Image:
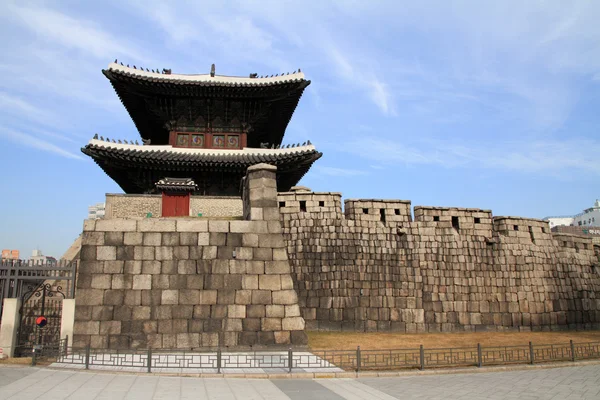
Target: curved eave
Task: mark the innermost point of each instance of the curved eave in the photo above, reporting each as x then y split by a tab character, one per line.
118	161
132	89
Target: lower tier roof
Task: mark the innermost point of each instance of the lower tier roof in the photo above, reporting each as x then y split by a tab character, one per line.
137	168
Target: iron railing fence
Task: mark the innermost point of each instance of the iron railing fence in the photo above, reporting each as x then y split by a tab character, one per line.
324	360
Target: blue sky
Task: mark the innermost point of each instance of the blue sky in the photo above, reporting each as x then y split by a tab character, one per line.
488	104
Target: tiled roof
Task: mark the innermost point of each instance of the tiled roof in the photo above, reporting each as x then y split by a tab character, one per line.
137	168
204	79
177	184
160	154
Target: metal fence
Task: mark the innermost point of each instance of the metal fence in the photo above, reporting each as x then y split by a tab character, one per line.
327	360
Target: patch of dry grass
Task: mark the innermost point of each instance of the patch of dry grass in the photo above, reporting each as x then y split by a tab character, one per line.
378	340
16	361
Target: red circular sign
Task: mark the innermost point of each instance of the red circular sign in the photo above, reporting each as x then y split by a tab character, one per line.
41	321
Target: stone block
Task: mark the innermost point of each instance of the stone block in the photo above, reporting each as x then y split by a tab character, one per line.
90	297
217	239
121	281
282	337
277	267
110	327
133	238
89	225
125	253
192	225
113	238
243	297
262	297
143	253
122	313
104	253
226	296
262	254
210	340
114	297
169	239
102	313
232	325
170	297
101	281
188	340
292	324
236	311
275	311
250	282
273	241
186	267
132	267
195	282
280	254
116	225
209	252
189	296
207	297
249	239
203	239
86	328
188	239
163	253
92	238
269	282
215	226
286	282
156	225
150	267
285	297
141	282
270	324
181	253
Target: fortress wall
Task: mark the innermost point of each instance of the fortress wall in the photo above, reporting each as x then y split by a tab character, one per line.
389	211
362	274
139	205
184	283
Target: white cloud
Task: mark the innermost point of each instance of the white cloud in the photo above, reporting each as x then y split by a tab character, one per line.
550	157
73	33
37	143
338	172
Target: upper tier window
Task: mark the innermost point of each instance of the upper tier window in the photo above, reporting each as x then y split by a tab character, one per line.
207	140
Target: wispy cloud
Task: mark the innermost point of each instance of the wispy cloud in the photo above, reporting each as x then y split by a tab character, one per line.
37	143
549	157
338	172
73	33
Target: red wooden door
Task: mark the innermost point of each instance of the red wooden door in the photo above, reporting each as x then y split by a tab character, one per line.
175	205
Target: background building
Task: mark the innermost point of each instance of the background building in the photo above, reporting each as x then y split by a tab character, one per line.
589	217
10	254
38	258
97	211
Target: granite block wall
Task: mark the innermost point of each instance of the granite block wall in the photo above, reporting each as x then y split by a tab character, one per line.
372	268
139	205
185	283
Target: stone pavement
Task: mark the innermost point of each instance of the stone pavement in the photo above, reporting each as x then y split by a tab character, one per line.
576	382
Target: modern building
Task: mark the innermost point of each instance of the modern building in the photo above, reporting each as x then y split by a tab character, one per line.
589	217
205	130
10	254
97	211
38	258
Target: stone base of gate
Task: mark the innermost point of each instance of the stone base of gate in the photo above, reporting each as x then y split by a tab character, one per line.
10	324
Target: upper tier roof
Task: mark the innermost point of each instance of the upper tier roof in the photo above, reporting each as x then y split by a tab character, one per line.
207	79
151	99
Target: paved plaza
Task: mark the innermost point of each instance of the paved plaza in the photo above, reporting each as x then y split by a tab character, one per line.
576	382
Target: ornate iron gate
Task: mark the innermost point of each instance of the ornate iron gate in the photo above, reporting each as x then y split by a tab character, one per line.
41	312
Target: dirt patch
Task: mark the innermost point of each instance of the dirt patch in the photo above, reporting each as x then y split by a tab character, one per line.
378	340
